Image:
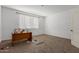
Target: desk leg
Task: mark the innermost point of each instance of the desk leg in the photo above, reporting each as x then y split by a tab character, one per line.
30	39
12	44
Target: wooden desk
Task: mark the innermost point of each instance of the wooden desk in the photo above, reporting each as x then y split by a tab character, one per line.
21	37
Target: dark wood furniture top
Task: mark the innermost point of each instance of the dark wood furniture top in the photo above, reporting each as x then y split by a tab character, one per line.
17	37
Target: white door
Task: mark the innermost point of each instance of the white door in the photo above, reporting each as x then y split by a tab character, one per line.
0	23
75	28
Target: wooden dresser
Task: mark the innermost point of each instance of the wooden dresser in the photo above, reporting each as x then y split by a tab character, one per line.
17	37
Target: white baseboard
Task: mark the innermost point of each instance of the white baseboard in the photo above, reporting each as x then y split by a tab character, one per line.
76	44
59	36
0	41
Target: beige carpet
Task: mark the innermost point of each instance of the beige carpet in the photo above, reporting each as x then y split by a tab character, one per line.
42	44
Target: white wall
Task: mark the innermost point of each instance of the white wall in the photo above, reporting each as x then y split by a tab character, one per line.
59	24
0	24
10	21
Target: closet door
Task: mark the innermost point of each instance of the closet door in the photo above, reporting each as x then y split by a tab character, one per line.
0	24
75	30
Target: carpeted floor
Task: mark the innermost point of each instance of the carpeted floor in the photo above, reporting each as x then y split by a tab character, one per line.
42	44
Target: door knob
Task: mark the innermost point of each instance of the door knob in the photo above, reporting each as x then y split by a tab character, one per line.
71	30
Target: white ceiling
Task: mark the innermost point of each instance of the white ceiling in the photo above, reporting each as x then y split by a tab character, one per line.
43	8
52	8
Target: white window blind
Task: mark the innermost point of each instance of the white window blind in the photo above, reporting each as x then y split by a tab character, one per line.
36	22
26	21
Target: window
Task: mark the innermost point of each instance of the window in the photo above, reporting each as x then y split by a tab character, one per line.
26	21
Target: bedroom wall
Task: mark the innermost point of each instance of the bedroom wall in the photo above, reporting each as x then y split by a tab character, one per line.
59	24
10	21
